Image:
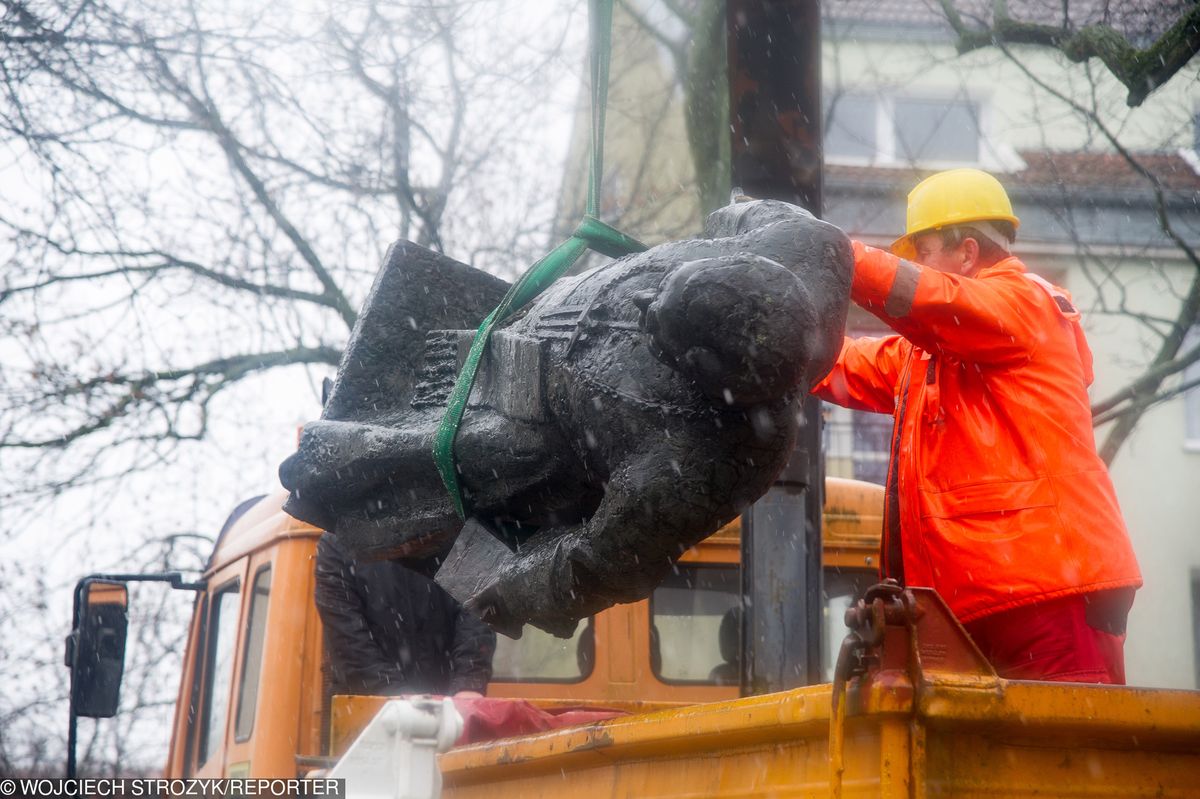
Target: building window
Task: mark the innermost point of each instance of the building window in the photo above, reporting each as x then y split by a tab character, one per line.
1196	624
889	130
857	444
1191	397
850	129
928	130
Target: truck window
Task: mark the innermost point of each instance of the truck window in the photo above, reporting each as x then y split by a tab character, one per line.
195	691
842	588
256	629
540	657
686	614
218	672
690	607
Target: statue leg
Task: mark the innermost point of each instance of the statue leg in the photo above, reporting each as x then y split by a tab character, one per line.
649	516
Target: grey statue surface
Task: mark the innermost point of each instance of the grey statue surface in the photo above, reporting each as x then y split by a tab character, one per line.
623	416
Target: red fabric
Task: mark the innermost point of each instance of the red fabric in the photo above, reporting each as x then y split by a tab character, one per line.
485	718
1050	641
1002	499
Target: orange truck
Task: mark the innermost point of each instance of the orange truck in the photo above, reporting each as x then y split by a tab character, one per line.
912	709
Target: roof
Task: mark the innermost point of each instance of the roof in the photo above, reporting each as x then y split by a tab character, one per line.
1045	169
255	524
1060	197
1107	170
1141	20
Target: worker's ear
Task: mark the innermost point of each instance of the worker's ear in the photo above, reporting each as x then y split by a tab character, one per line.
968	253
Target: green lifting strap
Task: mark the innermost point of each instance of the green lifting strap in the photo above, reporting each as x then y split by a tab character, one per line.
590	234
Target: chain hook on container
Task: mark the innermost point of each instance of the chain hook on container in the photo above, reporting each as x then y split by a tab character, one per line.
866	619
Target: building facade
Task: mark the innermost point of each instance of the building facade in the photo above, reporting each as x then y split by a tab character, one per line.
1096	184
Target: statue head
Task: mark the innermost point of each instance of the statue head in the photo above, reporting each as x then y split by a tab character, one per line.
736	325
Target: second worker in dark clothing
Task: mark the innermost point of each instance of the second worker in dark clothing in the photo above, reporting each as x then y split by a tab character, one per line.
390	630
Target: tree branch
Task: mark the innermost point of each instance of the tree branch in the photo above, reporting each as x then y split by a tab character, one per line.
677	49
1146	402
1141	71
1151	379
391	99
167	262
228	369
207	115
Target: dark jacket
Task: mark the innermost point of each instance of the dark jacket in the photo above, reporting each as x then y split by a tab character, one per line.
390	630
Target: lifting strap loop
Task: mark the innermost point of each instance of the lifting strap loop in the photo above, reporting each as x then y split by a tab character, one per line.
605	239
590	234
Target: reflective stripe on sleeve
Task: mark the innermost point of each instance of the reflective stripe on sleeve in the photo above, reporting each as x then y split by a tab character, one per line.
904	290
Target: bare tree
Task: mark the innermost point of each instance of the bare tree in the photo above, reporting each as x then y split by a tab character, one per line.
196	196
1143	47
184	170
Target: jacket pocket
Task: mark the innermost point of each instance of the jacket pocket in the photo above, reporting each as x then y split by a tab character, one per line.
997	497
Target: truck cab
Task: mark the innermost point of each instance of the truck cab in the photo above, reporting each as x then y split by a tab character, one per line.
252	700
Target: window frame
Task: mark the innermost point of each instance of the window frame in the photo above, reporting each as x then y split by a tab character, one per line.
588	622
252	609
1190	399
992	154
204	719
195	690
1195	581
735	568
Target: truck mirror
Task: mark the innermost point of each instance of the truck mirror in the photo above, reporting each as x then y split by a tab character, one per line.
96	648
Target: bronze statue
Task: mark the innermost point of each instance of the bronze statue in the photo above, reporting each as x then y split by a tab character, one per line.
626	414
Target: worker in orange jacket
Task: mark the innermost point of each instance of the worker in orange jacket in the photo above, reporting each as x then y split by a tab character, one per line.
996	496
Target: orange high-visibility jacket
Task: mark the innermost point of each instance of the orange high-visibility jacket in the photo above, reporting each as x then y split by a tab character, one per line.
996	495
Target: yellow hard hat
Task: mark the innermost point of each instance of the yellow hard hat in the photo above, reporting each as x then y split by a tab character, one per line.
953	197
